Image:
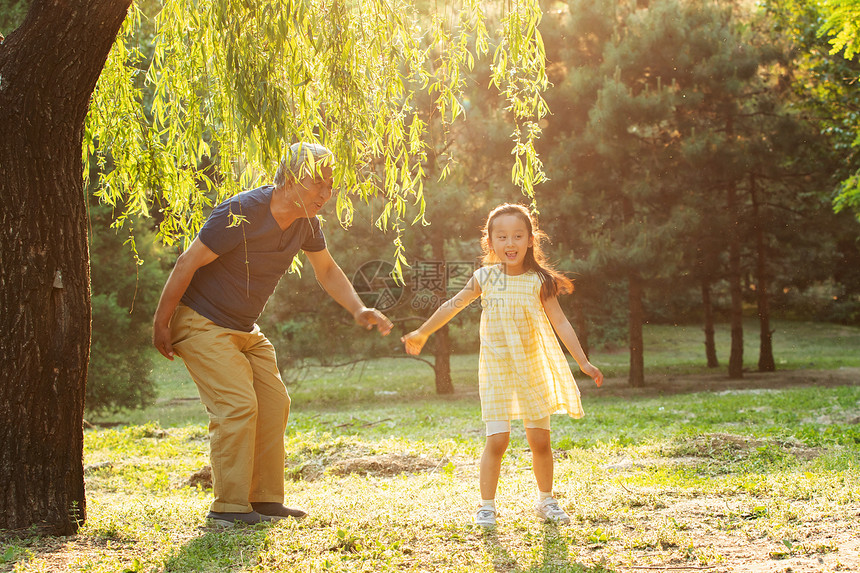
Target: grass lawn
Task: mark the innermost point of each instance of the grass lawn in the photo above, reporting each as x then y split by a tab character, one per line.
694	472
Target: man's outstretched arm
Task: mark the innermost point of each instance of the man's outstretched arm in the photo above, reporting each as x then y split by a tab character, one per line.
337	285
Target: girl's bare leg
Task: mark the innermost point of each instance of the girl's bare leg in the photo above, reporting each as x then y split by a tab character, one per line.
491	463
539	442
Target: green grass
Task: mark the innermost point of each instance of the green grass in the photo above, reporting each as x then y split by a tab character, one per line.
796	345
388	471
669	350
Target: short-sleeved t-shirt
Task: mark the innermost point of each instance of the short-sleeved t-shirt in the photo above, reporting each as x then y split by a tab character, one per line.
253	255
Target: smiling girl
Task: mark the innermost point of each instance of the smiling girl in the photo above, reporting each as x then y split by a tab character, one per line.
523	373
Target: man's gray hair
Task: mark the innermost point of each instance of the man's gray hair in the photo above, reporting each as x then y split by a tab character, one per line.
300	153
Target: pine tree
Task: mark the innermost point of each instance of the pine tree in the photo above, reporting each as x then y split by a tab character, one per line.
618	150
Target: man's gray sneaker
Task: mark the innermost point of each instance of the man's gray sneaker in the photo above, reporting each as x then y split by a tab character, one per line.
274	509
229	519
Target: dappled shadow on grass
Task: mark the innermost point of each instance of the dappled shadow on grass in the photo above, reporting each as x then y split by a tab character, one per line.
554	558
17	547
233	549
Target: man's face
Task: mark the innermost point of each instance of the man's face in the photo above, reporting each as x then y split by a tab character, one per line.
313	191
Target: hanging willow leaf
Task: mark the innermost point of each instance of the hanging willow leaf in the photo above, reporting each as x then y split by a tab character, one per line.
237	81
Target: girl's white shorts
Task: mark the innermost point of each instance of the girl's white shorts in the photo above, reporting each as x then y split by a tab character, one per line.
504	426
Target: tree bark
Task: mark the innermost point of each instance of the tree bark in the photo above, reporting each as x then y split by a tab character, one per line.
636	320
710	342
442	361
442	348
736	356
48	71
766	362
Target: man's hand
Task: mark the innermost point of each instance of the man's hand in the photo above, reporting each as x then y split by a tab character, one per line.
161	340
370	317
197	255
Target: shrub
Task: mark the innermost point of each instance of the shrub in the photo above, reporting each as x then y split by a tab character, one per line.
118	375
124	295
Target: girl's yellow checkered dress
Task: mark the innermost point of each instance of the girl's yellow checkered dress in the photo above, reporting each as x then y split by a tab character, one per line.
523	373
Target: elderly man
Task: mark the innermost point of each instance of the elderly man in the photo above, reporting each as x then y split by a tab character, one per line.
207	315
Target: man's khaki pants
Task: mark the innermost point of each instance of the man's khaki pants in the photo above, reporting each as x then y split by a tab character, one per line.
239	383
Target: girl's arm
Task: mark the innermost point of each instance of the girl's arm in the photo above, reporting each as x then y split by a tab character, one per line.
415	340
571	341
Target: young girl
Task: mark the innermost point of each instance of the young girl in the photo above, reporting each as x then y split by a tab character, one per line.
523	373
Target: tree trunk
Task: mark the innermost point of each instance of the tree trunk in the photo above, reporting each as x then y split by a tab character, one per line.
442	347
710	342
736	357
636	319
766	362
48	69
442	361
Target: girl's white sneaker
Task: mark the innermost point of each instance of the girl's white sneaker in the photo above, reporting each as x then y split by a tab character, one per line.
485	517
549	510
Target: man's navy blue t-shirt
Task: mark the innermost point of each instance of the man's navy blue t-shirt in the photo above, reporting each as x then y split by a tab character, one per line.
253	255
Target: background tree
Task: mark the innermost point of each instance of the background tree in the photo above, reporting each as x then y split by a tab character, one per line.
446	249
825	40
12	13
673	148
842	25
824	88
624	90
734	134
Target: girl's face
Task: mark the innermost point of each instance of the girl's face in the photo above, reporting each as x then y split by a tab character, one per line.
510	240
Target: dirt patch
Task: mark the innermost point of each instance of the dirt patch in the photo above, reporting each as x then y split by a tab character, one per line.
722	446
202	478
342	457
386	465
71	553
383	465
718	443
638	463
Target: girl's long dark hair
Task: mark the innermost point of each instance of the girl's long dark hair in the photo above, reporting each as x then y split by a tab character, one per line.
553	282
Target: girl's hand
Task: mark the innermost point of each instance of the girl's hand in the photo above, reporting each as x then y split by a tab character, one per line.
593	371
414	342
370	317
